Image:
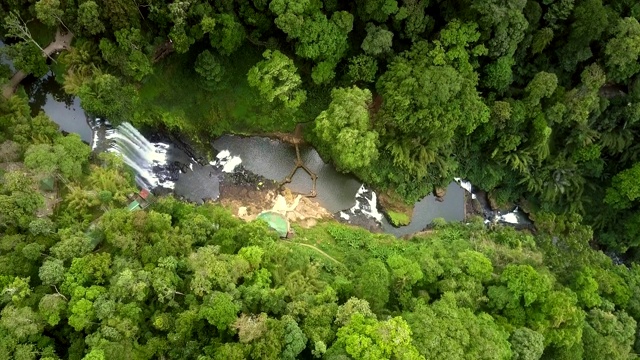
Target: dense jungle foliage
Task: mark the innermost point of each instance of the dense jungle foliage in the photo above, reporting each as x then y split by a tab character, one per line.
536	100
88	279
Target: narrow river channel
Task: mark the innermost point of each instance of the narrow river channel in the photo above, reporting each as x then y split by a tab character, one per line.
164	165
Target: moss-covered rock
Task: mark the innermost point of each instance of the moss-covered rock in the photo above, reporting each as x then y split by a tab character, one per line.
397	218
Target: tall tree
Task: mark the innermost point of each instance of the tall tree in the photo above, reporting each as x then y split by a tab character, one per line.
276	78
128	53
378	40
430	96
89	18
345	129
319	38
50	13
622	52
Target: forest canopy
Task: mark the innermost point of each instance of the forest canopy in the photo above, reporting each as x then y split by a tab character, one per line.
83	277
536	102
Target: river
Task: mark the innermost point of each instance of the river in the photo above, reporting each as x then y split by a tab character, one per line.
162	164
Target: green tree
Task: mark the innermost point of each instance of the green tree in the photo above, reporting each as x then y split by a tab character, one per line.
592	19
225	32
526	344
18	200
52	272
219	310
52	308
127	54
429	96
107	96
608	336
499	75
319	38
16	27
66	157
378	40
345	129
28	58
404	275
372	284
89	18
444	330
209	67
412	19
622	52
351	307
49	12
362	68
276	78
20	323
377	10
294	339
507	23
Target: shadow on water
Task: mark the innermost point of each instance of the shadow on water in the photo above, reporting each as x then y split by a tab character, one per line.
46	94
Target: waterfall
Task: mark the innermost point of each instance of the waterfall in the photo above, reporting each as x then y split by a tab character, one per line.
143	156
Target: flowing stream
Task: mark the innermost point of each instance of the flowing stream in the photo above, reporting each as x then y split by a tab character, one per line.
163	165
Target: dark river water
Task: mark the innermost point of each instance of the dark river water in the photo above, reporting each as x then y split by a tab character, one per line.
275	160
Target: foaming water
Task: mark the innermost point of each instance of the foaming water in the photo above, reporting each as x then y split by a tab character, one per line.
143	156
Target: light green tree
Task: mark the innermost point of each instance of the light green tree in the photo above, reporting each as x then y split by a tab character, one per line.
368	338
624	189
345	129
444	330
276	78
49	12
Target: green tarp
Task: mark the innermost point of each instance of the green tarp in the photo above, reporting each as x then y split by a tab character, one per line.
48	184
133	205
276	221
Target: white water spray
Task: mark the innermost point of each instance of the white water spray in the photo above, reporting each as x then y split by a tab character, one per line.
367	206
465	184
140	154
227	161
